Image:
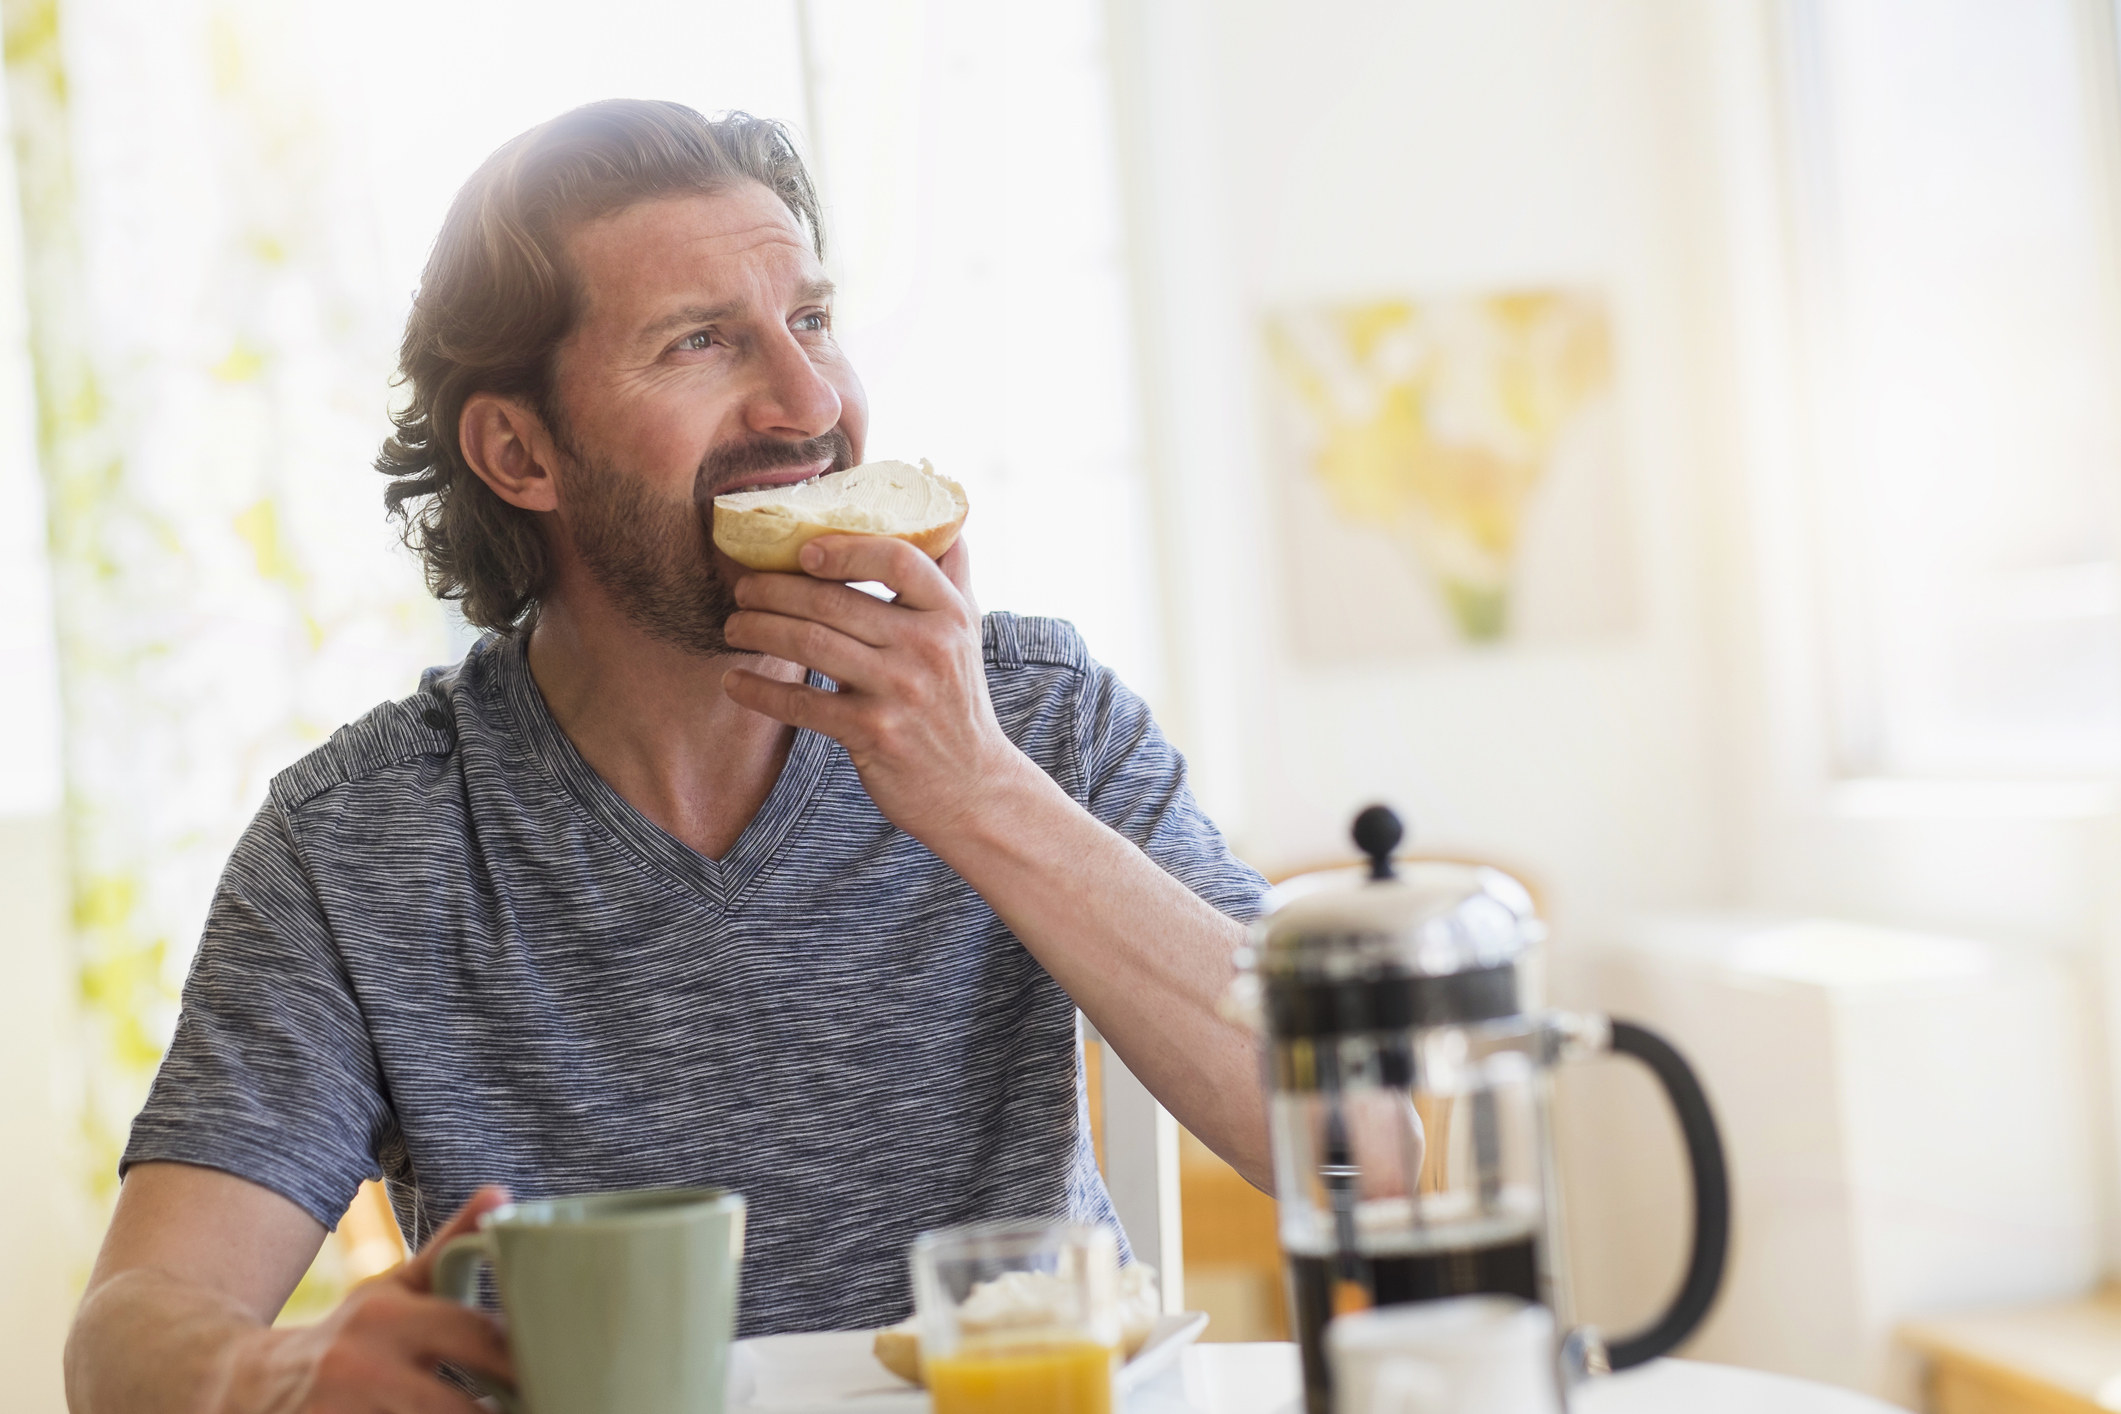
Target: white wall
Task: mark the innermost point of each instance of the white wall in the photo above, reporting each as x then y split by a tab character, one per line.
1359	148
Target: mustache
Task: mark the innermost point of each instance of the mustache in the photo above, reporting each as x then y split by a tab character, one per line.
736	462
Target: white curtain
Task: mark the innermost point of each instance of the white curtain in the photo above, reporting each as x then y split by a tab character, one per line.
209	353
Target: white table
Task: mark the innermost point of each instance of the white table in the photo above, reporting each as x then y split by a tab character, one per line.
1265	1379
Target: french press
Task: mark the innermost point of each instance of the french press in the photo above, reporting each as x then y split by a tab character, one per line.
1410	1067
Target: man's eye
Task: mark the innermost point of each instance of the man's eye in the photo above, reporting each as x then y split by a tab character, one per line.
695	342
815	322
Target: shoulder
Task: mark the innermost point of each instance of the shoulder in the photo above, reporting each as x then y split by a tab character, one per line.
1037	645
1039	673
1060	705
407	735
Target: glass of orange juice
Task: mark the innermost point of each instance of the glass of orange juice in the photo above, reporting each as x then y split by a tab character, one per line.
1018	1320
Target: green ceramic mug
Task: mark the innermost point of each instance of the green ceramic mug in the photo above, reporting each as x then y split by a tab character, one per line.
617	1303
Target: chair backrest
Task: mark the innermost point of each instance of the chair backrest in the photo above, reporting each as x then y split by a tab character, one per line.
368	1237
1137	1150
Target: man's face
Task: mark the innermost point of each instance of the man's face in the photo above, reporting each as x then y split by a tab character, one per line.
702	362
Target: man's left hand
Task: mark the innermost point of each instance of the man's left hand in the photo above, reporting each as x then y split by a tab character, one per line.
912	709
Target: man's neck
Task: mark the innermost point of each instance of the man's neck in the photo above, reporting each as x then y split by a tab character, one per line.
651	719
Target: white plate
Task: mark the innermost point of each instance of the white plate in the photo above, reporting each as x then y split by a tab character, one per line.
834	1372
1167	1337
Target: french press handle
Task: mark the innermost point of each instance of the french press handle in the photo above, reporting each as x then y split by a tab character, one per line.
1712	1198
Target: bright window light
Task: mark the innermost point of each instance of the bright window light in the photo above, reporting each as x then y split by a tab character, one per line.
1958	263
971	184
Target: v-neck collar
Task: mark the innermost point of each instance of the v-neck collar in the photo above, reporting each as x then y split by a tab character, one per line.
722	882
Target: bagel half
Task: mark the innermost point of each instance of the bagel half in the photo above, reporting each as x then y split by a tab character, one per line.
766	530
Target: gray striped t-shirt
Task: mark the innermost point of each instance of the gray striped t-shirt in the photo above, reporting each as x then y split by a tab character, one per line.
448	952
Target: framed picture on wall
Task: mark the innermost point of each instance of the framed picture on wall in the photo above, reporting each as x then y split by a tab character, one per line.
1446	474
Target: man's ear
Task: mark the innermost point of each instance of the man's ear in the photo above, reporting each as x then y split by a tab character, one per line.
507	445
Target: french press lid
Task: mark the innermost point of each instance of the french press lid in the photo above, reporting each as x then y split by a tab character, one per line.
1392	945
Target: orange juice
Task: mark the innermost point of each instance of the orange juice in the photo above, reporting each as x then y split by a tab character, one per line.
1063	1377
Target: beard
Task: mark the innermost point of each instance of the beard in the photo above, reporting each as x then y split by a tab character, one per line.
655	556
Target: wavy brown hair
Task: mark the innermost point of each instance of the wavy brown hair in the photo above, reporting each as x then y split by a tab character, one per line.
498	298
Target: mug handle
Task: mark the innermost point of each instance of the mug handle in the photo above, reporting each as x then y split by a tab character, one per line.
1712	1197
457	1279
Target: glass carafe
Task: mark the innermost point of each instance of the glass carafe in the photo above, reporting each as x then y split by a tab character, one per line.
1410	1067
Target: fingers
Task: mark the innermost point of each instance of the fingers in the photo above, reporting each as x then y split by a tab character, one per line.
804	641
388	1337
917	581
860	616
437	1331
810	708
419	1272
402	1391
377	1381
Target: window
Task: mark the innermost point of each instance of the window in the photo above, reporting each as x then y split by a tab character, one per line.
968	166
1952	172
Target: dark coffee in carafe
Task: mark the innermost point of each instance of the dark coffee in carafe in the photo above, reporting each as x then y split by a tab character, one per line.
1387	1277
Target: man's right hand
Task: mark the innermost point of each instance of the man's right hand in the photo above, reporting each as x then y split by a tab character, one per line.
178	1314
377	1353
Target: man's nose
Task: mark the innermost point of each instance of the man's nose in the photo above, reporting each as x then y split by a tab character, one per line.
792	399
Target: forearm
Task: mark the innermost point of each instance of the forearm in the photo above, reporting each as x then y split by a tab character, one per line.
1146	959
146	1342
195	1265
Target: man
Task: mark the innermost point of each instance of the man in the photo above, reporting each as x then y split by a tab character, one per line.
684	875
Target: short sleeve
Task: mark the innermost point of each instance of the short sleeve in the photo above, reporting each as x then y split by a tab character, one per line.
1134	780
272	1076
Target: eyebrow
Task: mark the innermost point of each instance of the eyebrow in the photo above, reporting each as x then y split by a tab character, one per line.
815	292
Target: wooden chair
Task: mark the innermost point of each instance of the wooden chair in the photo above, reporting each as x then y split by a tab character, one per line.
1137	1145
367	1236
